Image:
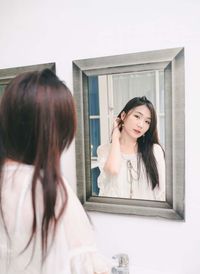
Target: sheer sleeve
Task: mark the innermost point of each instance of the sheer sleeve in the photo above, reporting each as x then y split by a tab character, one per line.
83	254
160	159
103	180
102	155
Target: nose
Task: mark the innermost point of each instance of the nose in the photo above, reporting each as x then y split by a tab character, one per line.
140	123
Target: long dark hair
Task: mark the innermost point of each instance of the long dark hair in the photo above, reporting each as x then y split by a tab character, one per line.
37	122
145	143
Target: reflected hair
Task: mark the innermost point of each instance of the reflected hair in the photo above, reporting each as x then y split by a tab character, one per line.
145	143
37	122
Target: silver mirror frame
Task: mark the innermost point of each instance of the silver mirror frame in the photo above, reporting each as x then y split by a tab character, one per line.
7	74
172	62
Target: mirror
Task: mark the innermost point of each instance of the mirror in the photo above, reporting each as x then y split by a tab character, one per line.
107	96
102	87
7	74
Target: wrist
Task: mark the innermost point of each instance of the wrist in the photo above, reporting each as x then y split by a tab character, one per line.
115	138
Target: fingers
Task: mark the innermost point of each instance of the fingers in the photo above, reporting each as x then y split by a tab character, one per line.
116	122
116	128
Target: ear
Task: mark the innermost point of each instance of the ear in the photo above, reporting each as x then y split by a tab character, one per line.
123	115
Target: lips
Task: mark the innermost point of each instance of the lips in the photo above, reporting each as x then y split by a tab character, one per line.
137	131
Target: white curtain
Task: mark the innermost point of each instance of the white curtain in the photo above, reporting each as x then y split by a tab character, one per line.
128	86
147	83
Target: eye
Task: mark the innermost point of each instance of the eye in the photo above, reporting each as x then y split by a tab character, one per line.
136	116
148	122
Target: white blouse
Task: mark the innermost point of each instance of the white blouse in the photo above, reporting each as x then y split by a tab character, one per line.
73	250
129	183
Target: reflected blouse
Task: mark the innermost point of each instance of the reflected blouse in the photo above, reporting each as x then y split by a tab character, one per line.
73	250
131	182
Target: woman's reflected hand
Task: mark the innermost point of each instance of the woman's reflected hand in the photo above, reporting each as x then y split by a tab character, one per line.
116	128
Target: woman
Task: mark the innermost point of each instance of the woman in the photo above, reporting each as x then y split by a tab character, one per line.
133	165
43	227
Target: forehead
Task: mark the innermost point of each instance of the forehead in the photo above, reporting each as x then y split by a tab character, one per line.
144	110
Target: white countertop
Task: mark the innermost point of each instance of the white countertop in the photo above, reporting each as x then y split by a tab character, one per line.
142	270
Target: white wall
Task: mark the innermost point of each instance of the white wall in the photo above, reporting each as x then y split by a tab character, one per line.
33	31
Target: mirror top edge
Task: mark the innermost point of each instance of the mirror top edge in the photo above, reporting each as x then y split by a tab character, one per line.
128	59
10	72
127	68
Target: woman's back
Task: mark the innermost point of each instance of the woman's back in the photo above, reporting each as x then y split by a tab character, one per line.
18	214
73	249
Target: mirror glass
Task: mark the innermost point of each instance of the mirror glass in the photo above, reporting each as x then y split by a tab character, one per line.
108	94
102	87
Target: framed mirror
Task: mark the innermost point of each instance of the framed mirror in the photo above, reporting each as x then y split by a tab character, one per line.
102	87
7	74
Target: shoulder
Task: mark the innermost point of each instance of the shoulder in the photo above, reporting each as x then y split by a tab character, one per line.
73	203
68	186
103	149
158	151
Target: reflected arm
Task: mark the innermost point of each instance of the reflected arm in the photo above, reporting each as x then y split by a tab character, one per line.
112	164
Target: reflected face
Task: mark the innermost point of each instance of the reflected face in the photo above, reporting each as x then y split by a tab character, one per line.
137	121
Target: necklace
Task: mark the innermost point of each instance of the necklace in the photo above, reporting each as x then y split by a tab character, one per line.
131	171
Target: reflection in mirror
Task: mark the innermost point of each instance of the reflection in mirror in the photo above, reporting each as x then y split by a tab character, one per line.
108	94
102	87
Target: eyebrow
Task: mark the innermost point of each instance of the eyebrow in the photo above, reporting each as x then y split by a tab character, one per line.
143	114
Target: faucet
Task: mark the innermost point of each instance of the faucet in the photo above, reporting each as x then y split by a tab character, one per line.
122	264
